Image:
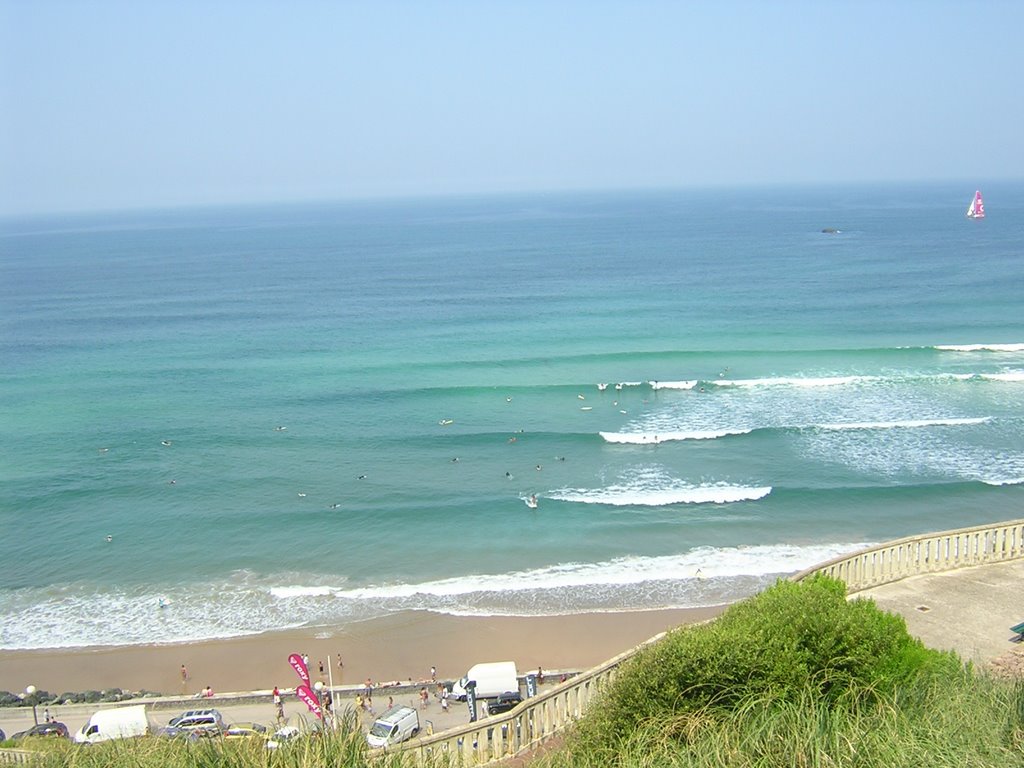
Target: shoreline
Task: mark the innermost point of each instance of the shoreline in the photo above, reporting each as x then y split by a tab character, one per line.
399	647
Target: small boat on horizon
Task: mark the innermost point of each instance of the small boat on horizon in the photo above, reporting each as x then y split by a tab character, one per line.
976	210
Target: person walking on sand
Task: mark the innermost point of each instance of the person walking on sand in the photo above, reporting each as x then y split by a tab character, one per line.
424	697
433	674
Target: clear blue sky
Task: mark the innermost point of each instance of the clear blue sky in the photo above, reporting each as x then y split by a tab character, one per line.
107	104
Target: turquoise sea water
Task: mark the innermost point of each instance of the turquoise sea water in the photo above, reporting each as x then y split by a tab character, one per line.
263	407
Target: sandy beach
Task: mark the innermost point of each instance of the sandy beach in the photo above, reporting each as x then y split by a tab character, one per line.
399	647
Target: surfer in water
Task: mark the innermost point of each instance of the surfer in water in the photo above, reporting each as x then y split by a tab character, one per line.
532	501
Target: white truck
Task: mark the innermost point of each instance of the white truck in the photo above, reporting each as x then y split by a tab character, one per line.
493	678
119	723
393	727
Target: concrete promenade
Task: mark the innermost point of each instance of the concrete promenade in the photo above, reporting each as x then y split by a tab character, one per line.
968	610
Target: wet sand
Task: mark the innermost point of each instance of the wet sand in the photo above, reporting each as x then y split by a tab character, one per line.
399	647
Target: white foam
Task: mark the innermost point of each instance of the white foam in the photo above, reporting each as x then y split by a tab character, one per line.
797	381
981	347
1007	376
713	562
651	438
633	496
76	616
1006	481
289	592
690	384
904	424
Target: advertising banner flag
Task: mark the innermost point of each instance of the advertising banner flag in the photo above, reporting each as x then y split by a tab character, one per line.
306	694
300	667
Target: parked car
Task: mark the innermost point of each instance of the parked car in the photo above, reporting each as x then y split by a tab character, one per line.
3	736
195	723
283	736
246	731
52	728
504	702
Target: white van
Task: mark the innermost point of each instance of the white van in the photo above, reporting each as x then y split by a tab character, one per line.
493	678
120	723
393	727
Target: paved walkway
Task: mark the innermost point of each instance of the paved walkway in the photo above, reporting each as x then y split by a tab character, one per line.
969	610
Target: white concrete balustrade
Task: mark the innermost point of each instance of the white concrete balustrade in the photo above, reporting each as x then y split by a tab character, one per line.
914	555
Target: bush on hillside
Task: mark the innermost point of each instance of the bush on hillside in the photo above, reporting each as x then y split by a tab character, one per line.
791	638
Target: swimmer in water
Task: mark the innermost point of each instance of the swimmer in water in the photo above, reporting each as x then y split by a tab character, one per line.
109	537
165	442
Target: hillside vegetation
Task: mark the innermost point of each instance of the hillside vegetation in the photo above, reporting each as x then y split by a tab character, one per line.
799	676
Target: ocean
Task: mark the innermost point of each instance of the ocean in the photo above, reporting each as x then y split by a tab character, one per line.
313	415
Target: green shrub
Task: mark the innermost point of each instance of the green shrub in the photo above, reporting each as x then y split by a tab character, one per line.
792	638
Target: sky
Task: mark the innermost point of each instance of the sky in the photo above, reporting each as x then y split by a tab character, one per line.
148	103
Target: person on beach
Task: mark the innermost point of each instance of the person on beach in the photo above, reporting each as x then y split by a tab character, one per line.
444	699
321	667
391	701
424	697
433	674
278	705
340	665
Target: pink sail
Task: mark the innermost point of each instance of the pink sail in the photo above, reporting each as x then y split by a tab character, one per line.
305	693
300	667
976	210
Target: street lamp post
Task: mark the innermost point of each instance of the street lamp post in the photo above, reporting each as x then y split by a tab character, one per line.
30	693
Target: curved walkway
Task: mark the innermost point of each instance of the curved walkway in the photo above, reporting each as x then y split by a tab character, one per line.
967	610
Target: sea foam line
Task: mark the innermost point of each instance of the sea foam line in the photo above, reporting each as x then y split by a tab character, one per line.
712	562
631	495
907	424
652	438
980	347
797	381
81	616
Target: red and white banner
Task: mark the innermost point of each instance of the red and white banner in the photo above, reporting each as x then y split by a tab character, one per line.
300	667
305	693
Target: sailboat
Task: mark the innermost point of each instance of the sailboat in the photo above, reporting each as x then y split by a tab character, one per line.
976	210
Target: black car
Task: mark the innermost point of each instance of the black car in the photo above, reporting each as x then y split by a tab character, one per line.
504	702
44	729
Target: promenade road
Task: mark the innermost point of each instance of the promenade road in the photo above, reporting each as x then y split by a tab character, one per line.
14	719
